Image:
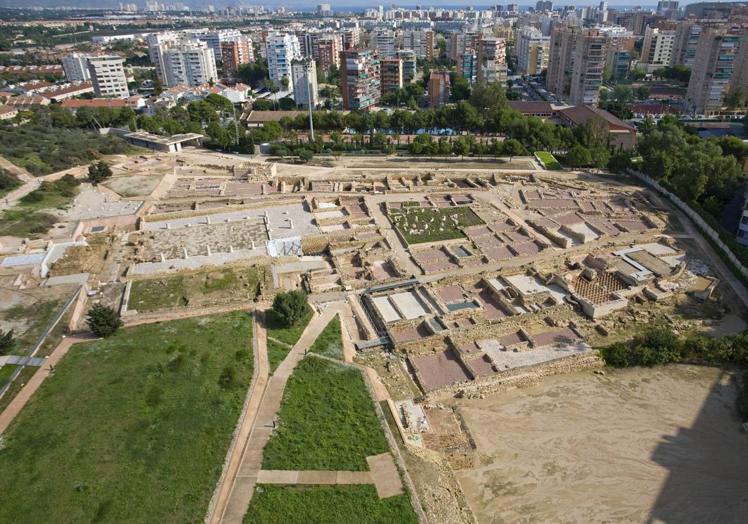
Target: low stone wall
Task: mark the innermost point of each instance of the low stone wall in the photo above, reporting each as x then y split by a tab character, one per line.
518	377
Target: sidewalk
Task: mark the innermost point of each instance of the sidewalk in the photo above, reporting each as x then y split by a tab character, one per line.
251	462
257	390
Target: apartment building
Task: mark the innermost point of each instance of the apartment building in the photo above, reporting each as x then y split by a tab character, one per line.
214	39
304	79
351	38
75	66
532	51
383	42
467	66
157	43
359	78
236	52
421	42
328	51
560	59
410	62
719	66
492	60
390	74
189	63
657	48
282	50
588	67
576	64
458	42
108	76
687	35
438	88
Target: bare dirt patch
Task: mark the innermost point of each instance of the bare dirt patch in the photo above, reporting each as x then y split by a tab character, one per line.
640	444
134	185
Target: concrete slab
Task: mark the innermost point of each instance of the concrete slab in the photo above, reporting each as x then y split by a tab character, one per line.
317	477
385	475
353	477
276	476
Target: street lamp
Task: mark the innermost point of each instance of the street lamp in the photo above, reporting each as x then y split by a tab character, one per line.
308	69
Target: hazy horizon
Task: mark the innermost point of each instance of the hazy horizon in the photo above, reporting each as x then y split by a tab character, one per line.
304	5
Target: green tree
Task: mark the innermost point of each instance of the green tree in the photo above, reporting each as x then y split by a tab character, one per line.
460	87
290	307
98	172
305	155
7	341
513	147
488	96
103	321
579	156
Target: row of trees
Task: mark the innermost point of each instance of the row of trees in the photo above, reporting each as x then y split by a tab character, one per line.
661	346
706	172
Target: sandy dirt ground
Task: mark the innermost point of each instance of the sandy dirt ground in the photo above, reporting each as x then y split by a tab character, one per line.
134	185
641	445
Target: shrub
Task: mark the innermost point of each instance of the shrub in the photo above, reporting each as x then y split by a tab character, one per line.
103	321
227	379
6	341
98	172
290	307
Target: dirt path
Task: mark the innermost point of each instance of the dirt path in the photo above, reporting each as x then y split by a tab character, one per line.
247	420
251	461
33	183
22	174
150	318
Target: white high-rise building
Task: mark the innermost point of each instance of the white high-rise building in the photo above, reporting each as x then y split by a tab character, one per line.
190	63
383	42
282	50
75	66
157	42
214	39
304	78
657	49
421	42
532	51
108	76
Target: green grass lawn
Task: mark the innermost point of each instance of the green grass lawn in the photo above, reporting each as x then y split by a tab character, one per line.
327	421
420	225
279	331
5	372
197	288
133	428
327	505
548	160
329	343
277	351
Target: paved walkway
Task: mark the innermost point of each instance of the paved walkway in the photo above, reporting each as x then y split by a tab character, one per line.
251	461
246	423
23	396
382	473
18	360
